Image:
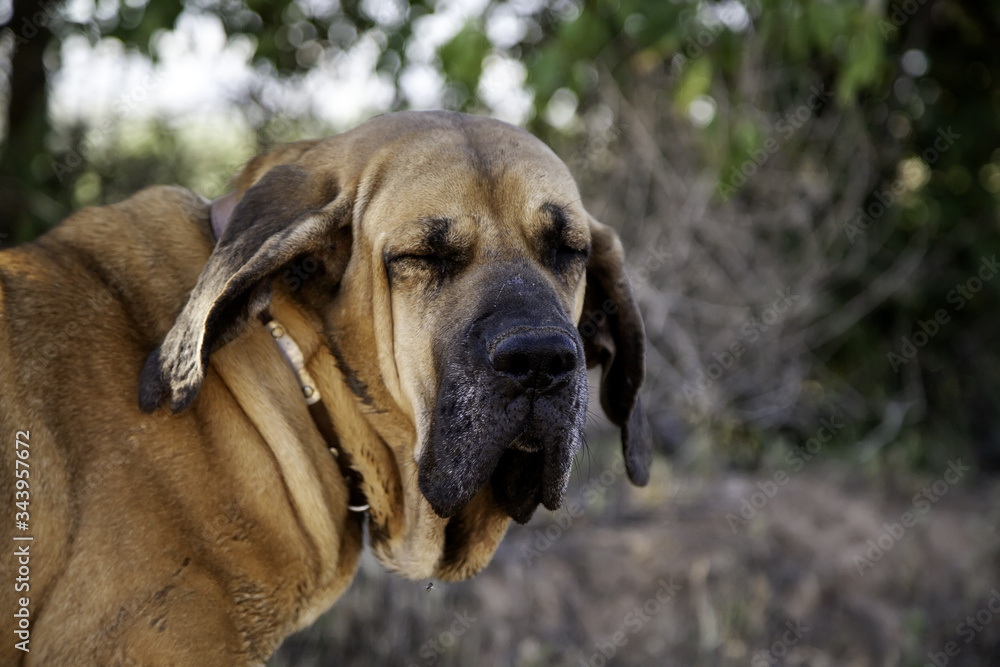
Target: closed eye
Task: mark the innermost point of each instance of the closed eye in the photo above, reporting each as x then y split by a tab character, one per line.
415	257
436	250
568	247
564	256
435	264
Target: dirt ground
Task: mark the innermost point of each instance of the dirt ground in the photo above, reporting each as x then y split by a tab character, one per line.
829	569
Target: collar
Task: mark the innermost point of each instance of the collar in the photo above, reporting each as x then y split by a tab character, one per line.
221	210
317	410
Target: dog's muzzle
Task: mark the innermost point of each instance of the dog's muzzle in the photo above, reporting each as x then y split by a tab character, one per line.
510	408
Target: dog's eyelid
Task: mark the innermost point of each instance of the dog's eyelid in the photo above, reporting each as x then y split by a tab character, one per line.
416	257
421	253
557	213
575	245
565	235
565	257
436	242
569	244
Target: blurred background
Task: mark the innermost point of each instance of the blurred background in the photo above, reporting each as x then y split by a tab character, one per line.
808	195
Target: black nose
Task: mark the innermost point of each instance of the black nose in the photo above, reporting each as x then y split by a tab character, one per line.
536	358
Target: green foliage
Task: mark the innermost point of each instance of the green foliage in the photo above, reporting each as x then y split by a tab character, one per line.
862	64
462	58
136	26
695	80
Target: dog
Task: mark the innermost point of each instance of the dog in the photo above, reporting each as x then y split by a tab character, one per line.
203	402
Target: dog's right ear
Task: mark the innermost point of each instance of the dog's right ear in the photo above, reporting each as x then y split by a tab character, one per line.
288	213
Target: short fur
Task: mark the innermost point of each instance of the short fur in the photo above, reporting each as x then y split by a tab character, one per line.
433	267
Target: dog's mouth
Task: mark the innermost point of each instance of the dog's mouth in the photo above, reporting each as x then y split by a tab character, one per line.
534	468
518	482
526	461
522	480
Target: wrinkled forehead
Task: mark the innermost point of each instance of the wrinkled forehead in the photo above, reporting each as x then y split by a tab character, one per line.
497	182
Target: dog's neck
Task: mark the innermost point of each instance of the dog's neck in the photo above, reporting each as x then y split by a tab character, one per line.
406	535
318	411
221	211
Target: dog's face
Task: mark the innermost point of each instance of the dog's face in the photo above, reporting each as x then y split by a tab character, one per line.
454	264
485	261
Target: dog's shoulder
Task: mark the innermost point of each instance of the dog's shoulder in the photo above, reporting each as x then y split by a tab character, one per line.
143	253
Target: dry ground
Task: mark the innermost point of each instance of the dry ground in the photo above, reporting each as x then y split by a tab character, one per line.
661	576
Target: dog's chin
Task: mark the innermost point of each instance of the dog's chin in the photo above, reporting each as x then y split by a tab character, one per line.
521	481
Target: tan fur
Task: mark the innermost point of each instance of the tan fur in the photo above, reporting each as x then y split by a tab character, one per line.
146	526
207	536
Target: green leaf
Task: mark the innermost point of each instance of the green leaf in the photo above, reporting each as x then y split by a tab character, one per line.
695	81
583	37
462	57
826	21
547	73
864	60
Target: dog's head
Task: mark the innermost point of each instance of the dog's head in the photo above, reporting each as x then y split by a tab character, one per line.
460	283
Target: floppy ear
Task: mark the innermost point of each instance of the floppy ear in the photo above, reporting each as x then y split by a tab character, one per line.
613	336
288	213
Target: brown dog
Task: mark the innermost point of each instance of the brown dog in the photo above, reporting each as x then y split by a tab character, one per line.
433	270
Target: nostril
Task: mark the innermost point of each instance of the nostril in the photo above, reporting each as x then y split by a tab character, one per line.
564	361
513	362
535	358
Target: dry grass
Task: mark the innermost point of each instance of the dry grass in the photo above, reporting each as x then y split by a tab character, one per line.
726	594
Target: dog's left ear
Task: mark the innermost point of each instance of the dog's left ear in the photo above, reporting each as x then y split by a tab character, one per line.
613	336
290	212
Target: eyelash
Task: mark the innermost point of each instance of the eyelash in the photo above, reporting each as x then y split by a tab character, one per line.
563	255
426	261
